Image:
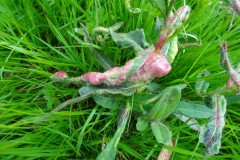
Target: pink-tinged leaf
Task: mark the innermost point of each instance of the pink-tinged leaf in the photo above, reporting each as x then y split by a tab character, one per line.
236	6
165	154
211	134
173	23
176	21
225	62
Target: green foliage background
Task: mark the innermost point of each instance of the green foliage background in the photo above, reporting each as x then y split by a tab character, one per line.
37	39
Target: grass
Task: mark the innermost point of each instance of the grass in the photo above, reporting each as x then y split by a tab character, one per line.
37	39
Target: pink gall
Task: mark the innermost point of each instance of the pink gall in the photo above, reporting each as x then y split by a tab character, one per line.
154	66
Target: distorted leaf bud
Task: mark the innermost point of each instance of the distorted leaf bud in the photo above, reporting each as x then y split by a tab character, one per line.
174	22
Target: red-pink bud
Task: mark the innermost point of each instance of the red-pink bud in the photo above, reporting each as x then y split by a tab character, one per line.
61	75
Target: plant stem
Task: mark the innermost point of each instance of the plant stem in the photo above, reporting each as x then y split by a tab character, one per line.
62	105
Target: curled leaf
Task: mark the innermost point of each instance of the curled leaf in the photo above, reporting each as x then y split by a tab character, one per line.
173	50
176	21
126	89
211	134
170	49
130	9
101	34
172	25
134	39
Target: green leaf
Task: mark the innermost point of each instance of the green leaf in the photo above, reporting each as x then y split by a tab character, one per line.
110	150
144	102
142	123
193	110
161	132
107	101
166	104
160	5
135	39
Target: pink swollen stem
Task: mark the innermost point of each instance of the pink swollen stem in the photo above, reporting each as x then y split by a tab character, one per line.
154	66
